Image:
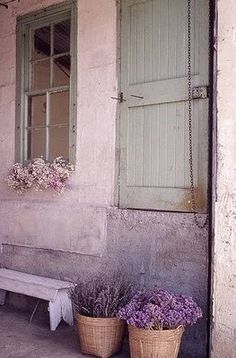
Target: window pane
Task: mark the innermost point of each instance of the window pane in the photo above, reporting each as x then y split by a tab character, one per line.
62	37
40	75
36	143
41	43
59	108
61	68
37	111
58	142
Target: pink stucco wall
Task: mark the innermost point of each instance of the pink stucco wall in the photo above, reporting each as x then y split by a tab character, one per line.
91	189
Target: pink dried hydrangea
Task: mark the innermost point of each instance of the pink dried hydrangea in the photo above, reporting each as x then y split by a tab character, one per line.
40	175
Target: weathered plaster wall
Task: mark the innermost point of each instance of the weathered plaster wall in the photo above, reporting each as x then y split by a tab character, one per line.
81	232
162	249
92	186
224	290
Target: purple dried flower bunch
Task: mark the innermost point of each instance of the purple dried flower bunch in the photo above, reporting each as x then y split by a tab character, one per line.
102	296
40	175
160	309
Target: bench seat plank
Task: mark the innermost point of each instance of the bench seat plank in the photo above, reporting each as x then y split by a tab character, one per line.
25	277
54	291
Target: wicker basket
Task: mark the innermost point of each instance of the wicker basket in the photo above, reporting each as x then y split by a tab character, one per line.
154	344
101	337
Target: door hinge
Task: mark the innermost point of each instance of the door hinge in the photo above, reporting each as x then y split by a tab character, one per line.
200	92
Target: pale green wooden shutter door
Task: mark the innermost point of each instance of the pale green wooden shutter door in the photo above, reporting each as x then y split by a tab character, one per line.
154	164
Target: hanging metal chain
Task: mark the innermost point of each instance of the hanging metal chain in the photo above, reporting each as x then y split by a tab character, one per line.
190	116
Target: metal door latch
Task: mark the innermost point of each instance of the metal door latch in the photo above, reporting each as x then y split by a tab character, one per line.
136	96
200	92
120	97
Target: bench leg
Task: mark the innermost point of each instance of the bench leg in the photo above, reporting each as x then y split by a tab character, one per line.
2	297
67	312
55	313
60	309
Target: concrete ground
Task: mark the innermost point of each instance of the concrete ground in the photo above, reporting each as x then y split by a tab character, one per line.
19	339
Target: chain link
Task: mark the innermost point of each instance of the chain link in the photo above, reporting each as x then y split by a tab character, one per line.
190	131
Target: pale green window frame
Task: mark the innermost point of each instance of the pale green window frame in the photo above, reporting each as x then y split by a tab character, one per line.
25	24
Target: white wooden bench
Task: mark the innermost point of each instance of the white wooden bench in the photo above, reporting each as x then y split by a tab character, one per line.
54	291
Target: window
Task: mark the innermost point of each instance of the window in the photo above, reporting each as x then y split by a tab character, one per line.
46	92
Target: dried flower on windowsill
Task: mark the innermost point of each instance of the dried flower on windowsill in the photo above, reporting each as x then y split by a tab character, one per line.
40	175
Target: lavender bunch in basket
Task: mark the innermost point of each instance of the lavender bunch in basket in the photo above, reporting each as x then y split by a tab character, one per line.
102	296
160	309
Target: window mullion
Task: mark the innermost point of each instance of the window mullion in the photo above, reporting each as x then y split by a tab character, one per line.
29	62
47	123
51	56
51	90
58	55
25	131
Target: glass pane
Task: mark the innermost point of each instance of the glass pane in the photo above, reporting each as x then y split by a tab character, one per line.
41	43
36	143
59	108
40	75
62	37
58	142
37	111
61	69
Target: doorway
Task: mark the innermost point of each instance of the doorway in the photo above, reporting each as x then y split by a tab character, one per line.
157	55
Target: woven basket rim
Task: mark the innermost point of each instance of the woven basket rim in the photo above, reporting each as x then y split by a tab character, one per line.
99	320
157	333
